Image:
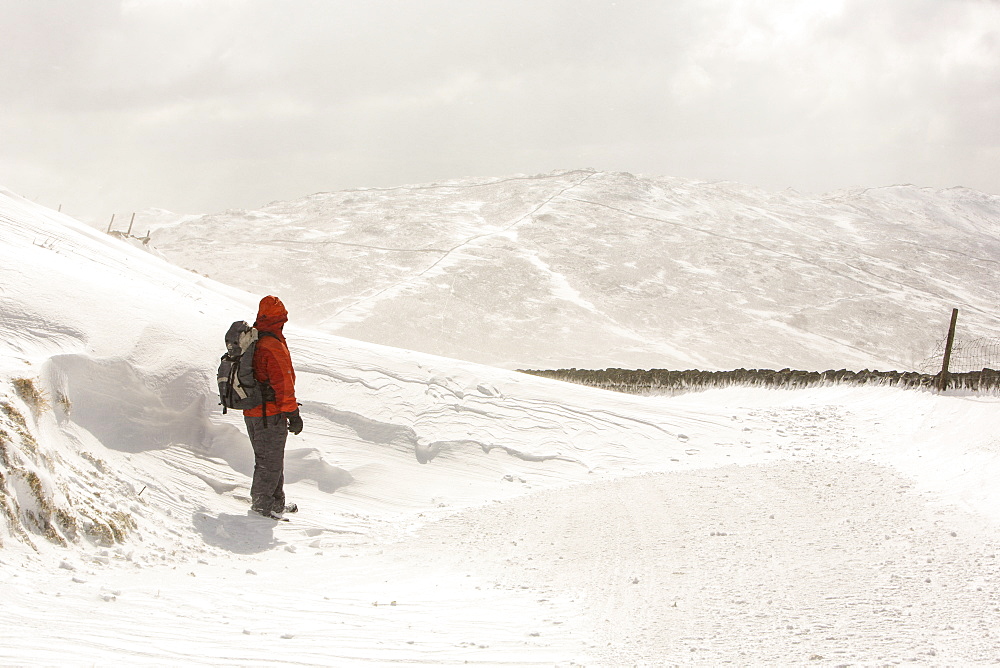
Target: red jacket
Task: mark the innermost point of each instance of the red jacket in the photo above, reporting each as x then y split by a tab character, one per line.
272	363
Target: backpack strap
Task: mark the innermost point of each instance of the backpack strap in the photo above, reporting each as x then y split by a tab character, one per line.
229	390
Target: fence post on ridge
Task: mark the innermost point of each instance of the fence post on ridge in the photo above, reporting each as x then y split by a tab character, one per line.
943	376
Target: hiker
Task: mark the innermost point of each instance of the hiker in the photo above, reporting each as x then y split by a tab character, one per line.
269	423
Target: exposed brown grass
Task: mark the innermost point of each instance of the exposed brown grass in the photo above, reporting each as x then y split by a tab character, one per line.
29	393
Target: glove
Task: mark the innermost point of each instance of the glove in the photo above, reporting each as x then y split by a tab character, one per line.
294	421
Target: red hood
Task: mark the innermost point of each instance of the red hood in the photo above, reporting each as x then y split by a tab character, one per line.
271	315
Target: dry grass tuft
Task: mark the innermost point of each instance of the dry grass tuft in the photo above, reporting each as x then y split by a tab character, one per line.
37	399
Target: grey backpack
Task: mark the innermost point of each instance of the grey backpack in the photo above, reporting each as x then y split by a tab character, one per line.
237	386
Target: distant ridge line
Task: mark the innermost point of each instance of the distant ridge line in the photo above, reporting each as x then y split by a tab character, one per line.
458	183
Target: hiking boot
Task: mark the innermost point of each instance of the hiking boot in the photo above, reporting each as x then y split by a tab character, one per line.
263	511
286	508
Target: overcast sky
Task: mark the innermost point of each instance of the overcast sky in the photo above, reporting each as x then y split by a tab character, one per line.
202	105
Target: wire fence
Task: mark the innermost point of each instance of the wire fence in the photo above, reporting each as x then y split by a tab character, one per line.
967	356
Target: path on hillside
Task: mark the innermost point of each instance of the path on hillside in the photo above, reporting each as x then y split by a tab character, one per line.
447	253
795	561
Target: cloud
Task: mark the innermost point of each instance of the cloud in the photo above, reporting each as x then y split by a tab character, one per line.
203	106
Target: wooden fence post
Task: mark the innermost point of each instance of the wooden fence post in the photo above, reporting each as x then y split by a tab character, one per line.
943	376
130	224
111	223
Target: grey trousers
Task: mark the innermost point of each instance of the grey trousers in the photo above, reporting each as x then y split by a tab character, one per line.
268	440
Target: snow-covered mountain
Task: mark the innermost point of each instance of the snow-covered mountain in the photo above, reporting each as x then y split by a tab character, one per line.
592	269
453	513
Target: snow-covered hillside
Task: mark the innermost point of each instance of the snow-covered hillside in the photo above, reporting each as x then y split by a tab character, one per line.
455	513
592	270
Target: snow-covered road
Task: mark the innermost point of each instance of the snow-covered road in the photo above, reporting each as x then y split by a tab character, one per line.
771	564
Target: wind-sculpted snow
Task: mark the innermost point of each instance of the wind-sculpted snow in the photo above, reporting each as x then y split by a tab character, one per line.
124	409
593	270
452	513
